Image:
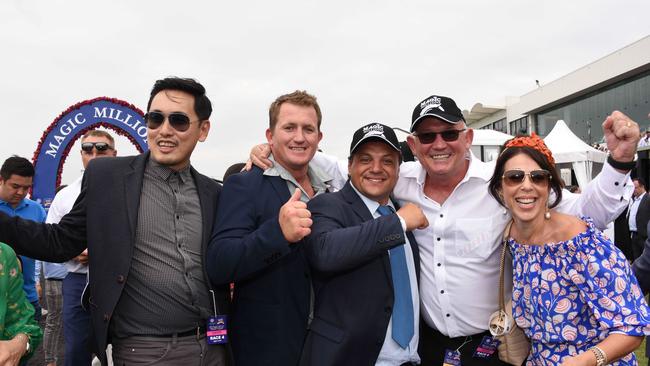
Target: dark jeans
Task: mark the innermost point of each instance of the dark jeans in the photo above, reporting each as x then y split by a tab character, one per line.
433	345
76	322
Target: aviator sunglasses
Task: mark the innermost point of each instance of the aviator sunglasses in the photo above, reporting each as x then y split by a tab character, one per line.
429	137
516	176
99	146
179	121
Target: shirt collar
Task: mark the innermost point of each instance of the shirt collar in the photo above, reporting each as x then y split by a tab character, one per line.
24	203
371	204
319	179
164	172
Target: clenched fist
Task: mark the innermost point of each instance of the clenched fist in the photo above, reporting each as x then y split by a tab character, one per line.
413	216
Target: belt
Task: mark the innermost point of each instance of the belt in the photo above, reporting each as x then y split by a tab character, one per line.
55	279
194	331
455	342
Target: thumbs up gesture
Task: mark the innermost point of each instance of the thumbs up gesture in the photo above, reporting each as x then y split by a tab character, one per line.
295	218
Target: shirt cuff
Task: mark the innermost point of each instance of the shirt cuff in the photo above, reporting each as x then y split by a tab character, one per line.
611	177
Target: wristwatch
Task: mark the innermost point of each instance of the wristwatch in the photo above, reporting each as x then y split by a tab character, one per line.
601	358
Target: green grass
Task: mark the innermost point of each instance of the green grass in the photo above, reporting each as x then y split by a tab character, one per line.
640	354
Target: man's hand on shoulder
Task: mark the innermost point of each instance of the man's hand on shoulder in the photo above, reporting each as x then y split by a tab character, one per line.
295	219
259	157
413	216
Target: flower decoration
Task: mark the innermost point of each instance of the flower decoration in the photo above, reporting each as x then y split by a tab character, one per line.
533	141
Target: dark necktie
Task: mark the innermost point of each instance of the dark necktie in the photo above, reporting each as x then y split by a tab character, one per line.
403	305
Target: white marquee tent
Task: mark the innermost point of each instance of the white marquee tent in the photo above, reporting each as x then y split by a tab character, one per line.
569	148
486	143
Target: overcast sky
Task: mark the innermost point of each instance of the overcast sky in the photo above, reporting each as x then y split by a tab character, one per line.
366	61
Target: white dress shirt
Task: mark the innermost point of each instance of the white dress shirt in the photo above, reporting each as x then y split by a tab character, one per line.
631	213
459	250
392	354
61	205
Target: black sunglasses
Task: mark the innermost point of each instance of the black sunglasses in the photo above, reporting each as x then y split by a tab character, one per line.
429	137
99	146
516	176
179	121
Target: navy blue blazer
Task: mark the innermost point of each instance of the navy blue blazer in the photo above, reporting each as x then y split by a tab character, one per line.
272	285
348	253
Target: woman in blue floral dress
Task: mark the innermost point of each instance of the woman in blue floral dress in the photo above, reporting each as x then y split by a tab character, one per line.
574	294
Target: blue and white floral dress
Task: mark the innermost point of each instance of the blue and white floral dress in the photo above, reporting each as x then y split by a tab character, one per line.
569	296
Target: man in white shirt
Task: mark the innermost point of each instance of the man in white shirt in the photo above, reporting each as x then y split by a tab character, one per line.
76	320
638	216
459	250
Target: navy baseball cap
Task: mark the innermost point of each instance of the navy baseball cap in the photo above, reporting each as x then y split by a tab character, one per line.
443	108
374	131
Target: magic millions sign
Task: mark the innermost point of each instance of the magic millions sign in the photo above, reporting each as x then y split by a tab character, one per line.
57	140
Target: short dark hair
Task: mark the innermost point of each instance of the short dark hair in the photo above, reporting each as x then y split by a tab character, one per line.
16	165
202	105
300	98
640	180
495	182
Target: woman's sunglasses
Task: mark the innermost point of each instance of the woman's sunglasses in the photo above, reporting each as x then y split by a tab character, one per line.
179	121
99	146
517	176
429	137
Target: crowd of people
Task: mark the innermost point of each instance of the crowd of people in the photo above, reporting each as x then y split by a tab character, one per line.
303	259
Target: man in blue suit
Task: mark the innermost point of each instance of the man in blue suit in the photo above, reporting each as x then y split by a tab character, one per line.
256	243
365	263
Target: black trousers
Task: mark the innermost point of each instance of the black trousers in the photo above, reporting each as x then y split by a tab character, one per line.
638	243
433	345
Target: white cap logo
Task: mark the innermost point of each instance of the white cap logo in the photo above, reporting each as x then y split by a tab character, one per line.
429	104
373	130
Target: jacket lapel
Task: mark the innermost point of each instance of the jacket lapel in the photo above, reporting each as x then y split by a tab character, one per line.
362	211
132	189
208	203
280	187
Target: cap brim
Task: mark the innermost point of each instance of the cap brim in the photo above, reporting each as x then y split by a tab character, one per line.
374	137
442	116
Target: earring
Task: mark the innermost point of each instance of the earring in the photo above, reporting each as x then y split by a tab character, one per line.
547	214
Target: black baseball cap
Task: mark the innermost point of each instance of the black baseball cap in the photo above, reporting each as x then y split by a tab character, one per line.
437	106
374	131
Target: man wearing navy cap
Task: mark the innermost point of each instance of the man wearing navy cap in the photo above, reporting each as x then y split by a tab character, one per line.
459	250
365	262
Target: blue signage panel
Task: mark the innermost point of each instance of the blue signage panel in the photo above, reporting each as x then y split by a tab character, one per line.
56	142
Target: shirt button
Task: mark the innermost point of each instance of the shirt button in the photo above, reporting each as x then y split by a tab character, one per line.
439	264
448	315
615	183
438	239
441	215
106	317
177	217
442	291
120	279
